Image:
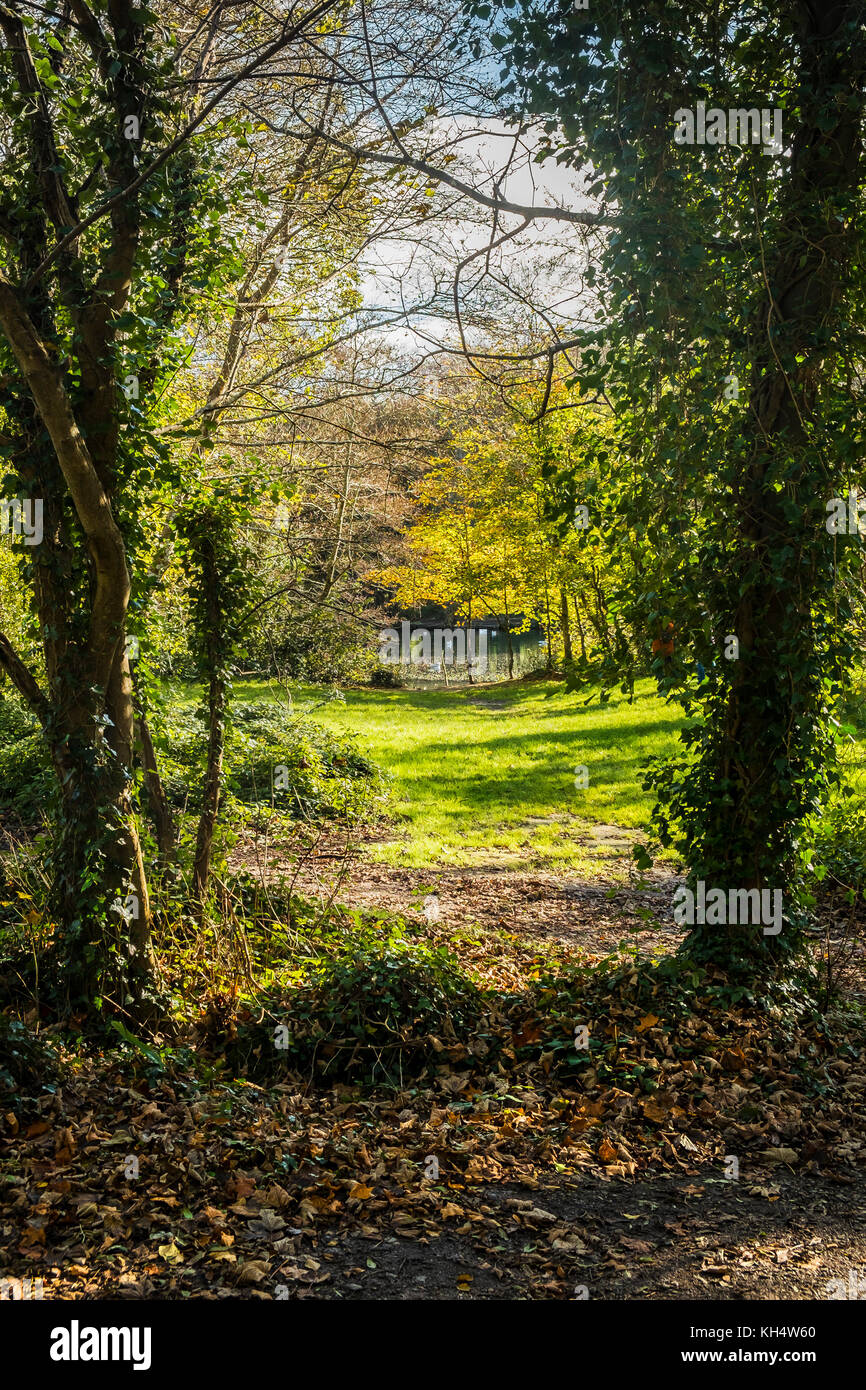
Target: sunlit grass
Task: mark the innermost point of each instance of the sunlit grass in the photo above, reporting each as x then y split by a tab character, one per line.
473	770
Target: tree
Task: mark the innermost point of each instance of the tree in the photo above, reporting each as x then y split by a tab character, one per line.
732	287
107	225
503	525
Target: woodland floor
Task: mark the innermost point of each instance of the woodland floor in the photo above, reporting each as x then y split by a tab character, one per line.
274	1191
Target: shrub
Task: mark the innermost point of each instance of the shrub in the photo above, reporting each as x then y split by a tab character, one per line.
321	776
385	677
377	1008
839	846
27	782
25	1059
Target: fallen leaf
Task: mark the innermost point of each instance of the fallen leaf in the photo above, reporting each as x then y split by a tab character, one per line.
648	1021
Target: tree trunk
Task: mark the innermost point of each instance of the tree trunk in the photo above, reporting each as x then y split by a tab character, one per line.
566	627
765	741
88	715
217	697
580	630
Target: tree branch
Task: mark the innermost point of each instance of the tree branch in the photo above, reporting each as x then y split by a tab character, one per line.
24	680
287	36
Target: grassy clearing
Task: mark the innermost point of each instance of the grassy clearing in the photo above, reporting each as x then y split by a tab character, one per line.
487	775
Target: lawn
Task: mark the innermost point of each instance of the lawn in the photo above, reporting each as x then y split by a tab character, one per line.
488	775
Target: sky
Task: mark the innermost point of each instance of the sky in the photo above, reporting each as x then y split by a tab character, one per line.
545	261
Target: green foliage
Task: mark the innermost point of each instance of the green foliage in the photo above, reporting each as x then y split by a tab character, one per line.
28	787
837	853
375	1006
27	782
383	677
26	1060
722	265
309	644
16	720
273	758
221	570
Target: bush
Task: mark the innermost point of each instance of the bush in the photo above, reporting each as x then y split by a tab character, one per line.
272	758
385	677
312	645
378	1007
839	846
27	782
16	720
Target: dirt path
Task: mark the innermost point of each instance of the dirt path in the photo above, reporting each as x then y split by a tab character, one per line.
592	916
674	1239
587	918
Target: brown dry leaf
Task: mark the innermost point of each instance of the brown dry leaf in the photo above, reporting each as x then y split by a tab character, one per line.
276	1197
269	1219
242	1186
734	1059
570	1245
252	1272
359	1192
606	1152
657	1107
648	1021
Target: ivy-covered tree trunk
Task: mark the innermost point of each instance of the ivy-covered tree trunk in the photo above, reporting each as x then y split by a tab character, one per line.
566	627
160	809
102	894
725	140
217	701
220	568
62	297
767	741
